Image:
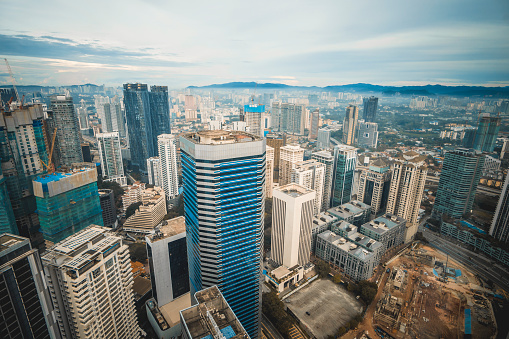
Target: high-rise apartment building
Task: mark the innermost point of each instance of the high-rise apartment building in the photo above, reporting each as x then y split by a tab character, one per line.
154	172
117	117
102	107
7	221
350	124
374	186
132	194
407	186
167	256
269	171
323	139
314	124
487	132
26	307
67	202
149	214
461	172
23	148
289	156
224	199
91	283
211	317
367	134
167	146
110	154
109	211
190	108
310	174
344	168
326	158
370	109
253	114
292	219
500	225
276	141
288	117
68	142
147	116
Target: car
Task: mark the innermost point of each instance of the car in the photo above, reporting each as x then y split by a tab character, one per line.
308	313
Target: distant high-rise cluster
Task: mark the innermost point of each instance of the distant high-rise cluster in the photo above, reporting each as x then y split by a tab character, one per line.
370	109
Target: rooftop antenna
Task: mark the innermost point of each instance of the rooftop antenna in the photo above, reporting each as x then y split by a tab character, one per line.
12	79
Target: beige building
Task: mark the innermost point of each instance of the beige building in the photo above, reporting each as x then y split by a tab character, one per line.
350	124
91	283
407	186
289	156
150	213
311	175
269	171
292	219
132	194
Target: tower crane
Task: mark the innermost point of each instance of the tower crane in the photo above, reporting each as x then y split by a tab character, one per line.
12	79
49	166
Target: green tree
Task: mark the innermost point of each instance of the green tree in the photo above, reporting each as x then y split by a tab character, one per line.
322	268
337	278
138	252
273	308
341	331
131	209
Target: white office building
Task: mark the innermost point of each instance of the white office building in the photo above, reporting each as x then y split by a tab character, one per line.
154	171
269	171
292	219
326	158
289	156
167	145
91	283
311	175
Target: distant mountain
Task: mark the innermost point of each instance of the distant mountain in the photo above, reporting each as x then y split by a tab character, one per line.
428	90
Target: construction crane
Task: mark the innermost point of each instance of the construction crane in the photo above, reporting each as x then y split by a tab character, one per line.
49	166
12	79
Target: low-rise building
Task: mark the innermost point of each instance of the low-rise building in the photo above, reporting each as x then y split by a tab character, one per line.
355	212
283	277
165	320
149	214
132	194
355	261
321	223
388	229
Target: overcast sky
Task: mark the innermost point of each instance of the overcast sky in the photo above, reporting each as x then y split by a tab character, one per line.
182	43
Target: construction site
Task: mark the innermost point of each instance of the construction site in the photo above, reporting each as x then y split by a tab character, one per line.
425	294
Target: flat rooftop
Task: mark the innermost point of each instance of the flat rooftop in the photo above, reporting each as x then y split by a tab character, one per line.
293	190
349	209
9	240
383	223
171	311
219	137
56	176
347	245
172	227
200	325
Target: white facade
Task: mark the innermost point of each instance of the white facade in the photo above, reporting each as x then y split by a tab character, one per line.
132	194
91	283
167	145
323	139
150	213
154	172
269	171
311	175
292	219
111	157
289	156
326	158
367	134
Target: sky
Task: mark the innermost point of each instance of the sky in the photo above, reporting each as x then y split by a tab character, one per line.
305	43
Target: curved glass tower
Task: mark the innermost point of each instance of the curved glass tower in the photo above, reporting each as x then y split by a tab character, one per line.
224	177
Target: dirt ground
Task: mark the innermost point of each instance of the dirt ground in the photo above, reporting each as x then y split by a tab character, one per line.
429	308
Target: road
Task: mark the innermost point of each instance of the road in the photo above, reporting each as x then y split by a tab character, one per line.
480	189
269	330
476	263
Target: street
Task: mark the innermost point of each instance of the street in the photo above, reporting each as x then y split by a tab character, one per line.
269	330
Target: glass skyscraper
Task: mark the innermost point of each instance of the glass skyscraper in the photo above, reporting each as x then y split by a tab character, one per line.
460	176
147	115
7	221
345	158
224	177
487	132
370	108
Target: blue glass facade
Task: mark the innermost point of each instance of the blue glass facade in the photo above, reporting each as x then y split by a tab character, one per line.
147	115
224	204
487	132
7	221
344	168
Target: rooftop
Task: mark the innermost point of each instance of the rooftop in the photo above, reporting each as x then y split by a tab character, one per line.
141	286
9	240
212	312
171	311
169	228
219	137
349	209
346	245
293	190
383	223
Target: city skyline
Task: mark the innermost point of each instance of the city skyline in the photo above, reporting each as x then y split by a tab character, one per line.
393	43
